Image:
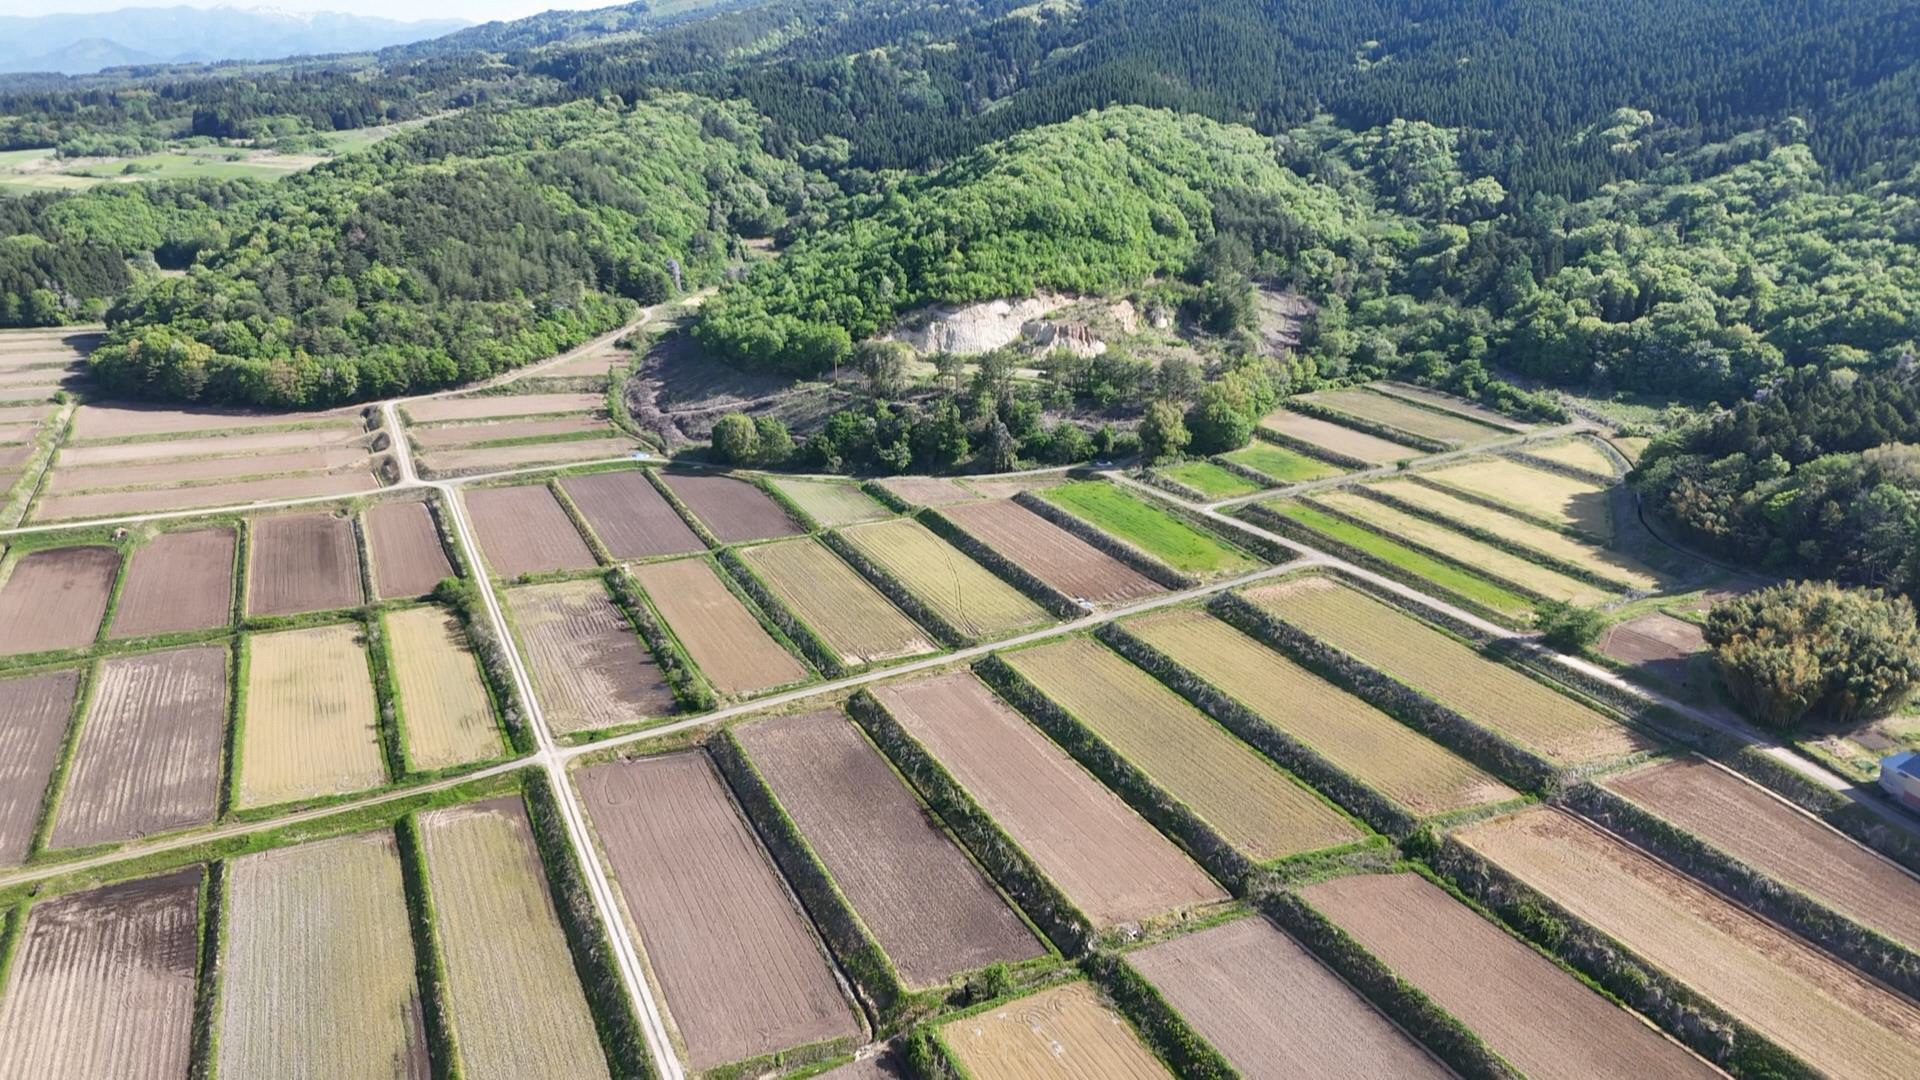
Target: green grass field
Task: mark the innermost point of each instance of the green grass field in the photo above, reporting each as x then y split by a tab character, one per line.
1448	577
24	171
1210	480
1147	527
1280	463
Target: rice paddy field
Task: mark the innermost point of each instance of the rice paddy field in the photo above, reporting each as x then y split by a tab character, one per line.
1484	591
1365	743
310	719
1210	480
444	705
1485	691
1402	415
1577	453
861	625
1258	809
1149	528
177	581
1615	566
300	563
1346	442
37	709
716	629
953	586
731	508
54	598
1062	560
525	530
589	667
1550	497
1284	466
408	557
831	503
629	515
1066	1033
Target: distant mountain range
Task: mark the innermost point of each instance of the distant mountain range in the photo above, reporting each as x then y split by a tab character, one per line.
80	43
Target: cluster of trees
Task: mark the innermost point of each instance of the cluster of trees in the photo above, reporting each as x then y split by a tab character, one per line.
1814	650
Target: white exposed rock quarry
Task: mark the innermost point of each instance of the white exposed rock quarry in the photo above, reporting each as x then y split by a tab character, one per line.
971	329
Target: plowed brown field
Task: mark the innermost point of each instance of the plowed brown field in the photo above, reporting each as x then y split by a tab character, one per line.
301	563
927	490
629	515
311	717
734	652
55	597
150	749
36	709
128	421
166	474
524	530
733	509
476	459
738	965
1108	861
1051	553
212	446
1344	441
468	434
1065	1033
589	666
404	544
487	406
177	581
932	911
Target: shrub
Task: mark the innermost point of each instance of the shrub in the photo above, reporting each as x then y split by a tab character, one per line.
1566	627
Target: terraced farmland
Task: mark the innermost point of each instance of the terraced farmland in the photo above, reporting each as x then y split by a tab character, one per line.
1611	565
729	645
1109	862
1400	415
589	667
629	515
55	598
177	581
927	490
1253	805
1473	587
952	585
310	723
1333	438
37	709
732	509
1149	528
404	543
1552	497
1283	465
1448	403
464	436
1210	480
1066	1033
1378	750
447	711
525	530
829	502
1583	454
1062	560
1484	691
861	625
300	563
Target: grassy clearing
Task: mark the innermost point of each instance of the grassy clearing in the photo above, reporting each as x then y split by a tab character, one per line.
1284	465
1451	578
1148	527
1210	480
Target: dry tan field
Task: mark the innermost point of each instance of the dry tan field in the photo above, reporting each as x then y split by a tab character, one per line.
1051	553
1065	1033
1552	497
490	406
1272	1010
177	581
955	587
734	510
524	530
127	503
629	515
1832	1017
731	648
1763	831
404	544
103	985
1457	406
829	502
1612	565
150	749
1108	861
930	908
1537	1016
1578	453
1344	441
589	666
1362	741
1484	691
517	1007
862	625
737	963
55	598
1253	805
524	455
459	435
927	490
350	434
448	714
301	563
318	964
1446	427
37	708
310	723
170	474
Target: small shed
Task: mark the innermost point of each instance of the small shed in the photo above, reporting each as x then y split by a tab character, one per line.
1900	776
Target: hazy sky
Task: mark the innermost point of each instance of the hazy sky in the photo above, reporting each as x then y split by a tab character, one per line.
472	10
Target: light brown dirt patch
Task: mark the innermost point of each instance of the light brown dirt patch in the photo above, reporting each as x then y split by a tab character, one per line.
1065	1033
731	648
1344	441
484	458
177	581
591	670
300	563
55	598
310	717
127	421
456	435
448	715
524	530
404	543
34	711
214	446
171	474
1050	553
927	490
629	515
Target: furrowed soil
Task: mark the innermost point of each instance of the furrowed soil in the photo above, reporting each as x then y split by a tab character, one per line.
591	668
1272	1010
1344	441
1369	745
1832	1017
408	559
1251	803
737	963
103	984
1109	862
1774	837
121	503
831	504
1607	563
1457	406
1485	691
1550	496
932	911
1543	1020
127	421
1052	554
1658	644
150	750
516	1002
927	490
177	581
448	715
731	648
55	598
1401	416
862	625
565	451
942	577
310	719
318	965
487	406
1066	1033
168	474
437	438
301	563
524	530
213	446
733	509
36	709
630	516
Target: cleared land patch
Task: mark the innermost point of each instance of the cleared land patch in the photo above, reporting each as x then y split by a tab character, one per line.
318	964
590	666
730	646
1484	691
1280	463
1148	528
1109	862
310	717
926	490
301	563
458	435
524	530
1656	643
177	581
942	577
1553	497
36	709
516	1002
733	509
55	598
862	625
1537	1016
489	406
120	503
1400	415
94	422
1051	553
1331	437
931	909
408	559
103	985
1833	1018
831	503
1481	590
1253	805
350	433
520	455
629	515
1065	1033
1270	1008
737	963
1612	565
169	474
449	717
150	749
1378	750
